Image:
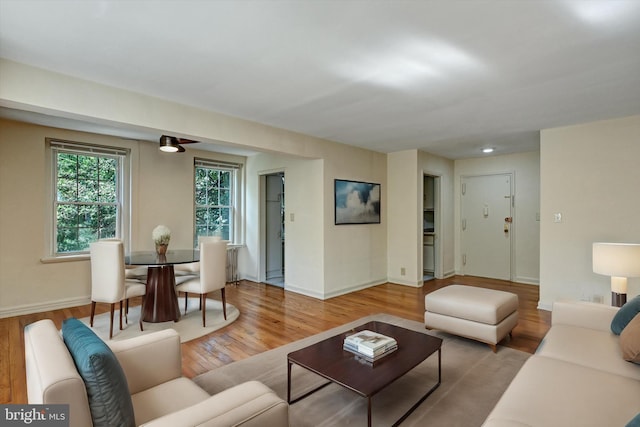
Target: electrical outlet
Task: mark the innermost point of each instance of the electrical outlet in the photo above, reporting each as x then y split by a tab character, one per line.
403	271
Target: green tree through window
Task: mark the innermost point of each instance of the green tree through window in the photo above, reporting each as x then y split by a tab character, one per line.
214	202
87	199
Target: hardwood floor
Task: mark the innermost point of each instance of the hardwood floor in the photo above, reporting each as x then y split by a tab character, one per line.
271	317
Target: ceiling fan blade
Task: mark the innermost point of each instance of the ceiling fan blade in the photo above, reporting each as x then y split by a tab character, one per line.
186	141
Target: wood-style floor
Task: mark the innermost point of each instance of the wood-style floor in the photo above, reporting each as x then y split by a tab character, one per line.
271	317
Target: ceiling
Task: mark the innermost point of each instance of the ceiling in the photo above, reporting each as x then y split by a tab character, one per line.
448	77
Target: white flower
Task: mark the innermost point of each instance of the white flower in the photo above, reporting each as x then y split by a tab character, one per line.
161	235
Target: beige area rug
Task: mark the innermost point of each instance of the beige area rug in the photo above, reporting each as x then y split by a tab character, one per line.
189	326
473	379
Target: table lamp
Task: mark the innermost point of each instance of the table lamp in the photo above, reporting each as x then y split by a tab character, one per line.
618	260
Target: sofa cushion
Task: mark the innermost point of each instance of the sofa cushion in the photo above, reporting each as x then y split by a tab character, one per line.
630	341
166	398
627	312
107	389
550	392
587	347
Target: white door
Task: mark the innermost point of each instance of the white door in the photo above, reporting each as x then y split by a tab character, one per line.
486	226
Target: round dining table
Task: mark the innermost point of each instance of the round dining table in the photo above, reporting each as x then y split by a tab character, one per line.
161	300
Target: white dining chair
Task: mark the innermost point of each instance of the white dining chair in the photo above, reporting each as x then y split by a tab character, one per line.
108	282
183	271
213	276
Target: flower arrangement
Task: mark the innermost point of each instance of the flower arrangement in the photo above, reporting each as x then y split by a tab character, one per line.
161	235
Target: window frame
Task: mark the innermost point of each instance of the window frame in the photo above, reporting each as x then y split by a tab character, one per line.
123	179
234	192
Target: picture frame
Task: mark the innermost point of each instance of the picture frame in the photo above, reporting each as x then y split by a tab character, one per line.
356	202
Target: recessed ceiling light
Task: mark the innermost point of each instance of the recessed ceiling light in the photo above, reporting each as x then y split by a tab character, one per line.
487	150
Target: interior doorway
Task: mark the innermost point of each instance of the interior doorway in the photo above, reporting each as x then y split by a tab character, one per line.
487	225
274	229
431	228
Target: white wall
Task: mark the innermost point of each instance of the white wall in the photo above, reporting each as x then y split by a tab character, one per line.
526	172
304	255
590	174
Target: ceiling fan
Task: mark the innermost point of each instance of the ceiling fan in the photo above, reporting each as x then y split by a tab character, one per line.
171	144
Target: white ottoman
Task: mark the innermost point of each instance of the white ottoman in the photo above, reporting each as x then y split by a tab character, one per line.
481	314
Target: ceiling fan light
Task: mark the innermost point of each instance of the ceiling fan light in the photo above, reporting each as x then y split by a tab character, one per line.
170	144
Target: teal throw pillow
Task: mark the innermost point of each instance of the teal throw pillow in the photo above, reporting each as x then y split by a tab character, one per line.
107	388
635	422
626	313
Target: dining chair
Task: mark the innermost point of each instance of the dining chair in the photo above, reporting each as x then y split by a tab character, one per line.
108	282
213	276
192	268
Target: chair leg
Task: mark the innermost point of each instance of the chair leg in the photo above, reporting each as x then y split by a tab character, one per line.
224	304
113	306
203	298
93	312
126	312
120	315
186	296
141	307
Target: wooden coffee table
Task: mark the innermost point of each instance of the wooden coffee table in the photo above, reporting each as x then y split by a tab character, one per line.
328	359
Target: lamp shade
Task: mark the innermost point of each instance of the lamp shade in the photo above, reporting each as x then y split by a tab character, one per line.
616	259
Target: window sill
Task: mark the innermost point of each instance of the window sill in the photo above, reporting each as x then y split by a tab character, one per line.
65	258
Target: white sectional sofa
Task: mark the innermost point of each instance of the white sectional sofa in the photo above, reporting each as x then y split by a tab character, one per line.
577	377
159	394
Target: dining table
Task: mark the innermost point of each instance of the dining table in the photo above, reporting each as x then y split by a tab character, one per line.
161	299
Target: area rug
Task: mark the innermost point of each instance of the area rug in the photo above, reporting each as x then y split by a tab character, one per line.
189	326
473	379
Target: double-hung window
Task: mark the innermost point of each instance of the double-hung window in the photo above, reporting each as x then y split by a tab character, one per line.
215	199
88	195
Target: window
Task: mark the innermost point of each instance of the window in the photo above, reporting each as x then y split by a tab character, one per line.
215	199
88	194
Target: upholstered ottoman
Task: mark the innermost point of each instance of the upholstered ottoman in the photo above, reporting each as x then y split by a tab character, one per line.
481	314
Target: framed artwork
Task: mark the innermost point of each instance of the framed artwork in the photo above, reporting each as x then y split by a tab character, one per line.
356	202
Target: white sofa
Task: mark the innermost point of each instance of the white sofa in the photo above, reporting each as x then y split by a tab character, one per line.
152	365
577	377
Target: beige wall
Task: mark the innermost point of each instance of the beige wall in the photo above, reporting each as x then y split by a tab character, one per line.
158	196
319	269
590	174
525	168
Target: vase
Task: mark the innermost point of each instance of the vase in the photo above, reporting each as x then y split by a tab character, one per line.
161	249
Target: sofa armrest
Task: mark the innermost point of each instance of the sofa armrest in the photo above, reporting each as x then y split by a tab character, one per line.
52	377
149	360
250	404
583	314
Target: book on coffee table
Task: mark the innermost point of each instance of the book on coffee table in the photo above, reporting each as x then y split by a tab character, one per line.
370	344
367	359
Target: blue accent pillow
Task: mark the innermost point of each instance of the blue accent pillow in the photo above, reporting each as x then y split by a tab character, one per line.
107	388
626	313
635	422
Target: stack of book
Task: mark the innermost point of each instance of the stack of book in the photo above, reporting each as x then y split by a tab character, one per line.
369	346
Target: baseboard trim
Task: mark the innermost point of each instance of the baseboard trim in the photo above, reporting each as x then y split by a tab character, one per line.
405	282
336	293
40	307
543	306
527	280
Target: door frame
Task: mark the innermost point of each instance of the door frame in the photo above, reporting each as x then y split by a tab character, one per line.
262	258
512	229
